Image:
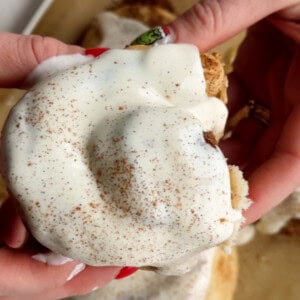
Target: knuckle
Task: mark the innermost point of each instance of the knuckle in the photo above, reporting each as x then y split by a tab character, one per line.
42	47
209	15
36	47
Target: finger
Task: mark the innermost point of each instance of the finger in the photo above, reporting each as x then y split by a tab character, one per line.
20	54
89	280
274	180
237	94
21	274
279	109
289	28
235	152
287	21
248	131
12	230
264	145
238	149
210	22
291	13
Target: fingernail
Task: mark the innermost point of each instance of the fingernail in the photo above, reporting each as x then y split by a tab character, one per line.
169	36
95	51
156	36
126	271
52	259
78	268
95	289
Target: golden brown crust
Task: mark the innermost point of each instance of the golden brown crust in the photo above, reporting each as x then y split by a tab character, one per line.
3	191
224	276
162	3
214	73
252	110
210	138
239	188
138	47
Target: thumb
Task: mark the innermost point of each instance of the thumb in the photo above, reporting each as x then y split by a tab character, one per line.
20	54
210	22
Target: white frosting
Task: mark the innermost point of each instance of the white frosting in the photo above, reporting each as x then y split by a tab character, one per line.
273	221
51	258
109	162
153	286
55	65
116	31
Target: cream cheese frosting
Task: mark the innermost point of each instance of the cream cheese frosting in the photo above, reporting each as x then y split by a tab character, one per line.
152	286
109	162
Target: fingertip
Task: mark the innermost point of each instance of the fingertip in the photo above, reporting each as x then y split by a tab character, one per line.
18	235
95	52
202	25
270	184
210	22
20	54
90	278
42	48
125	272
12	229
70	49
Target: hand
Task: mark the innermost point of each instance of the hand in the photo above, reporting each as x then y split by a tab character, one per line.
21	276
267	69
